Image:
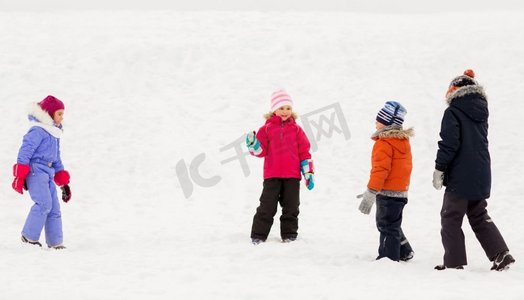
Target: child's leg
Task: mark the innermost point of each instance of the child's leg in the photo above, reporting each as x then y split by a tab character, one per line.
405	247
389	220
53	225
453	210
38	185
485	230
263	218
290	202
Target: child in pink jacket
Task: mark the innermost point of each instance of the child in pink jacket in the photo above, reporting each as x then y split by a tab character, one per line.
285	148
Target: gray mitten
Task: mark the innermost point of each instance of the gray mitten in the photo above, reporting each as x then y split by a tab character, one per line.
438	179
368	199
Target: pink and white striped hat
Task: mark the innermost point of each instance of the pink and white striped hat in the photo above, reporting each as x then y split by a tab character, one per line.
279	99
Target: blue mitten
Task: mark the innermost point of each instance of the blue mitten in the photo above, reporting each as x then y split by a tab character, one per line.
307	169
253	145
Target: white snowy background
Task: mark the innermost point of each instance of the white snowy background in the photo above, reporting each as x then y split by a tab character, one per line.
146	89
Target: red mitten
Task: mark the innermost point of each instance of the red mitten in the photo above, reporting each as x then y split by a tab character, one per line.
62	178
20	172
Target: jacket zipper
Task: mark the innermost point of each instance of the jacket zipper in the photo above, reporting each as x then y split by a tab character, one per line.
281	144
281	130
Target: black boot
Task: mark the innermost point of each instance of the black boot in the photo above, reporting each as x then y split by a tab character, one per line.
57	247
289	239
25	240
256	241
408	256
502	261
442	267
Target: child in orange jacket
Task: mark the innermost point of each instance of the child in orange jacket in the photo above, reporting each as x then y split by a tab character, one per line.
389	181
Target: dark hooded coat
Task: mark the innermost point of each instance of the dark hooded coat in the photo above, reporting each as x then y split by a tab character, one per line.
463	153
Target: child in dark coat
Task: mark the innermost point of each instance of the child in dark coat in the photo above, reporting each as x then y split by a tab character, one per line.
463	165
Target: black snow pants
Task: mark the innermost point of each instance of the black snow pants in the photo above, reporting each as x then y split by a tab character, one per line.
277	190
453	210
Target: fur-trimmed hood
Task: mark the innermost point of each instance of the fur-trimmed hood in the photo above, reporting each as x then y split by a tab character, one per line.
40	118
269	115
472	101
466	90
277	120
393	132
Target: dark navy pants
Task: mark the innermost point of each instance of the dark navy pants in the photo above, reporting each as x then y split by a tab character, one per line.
393	242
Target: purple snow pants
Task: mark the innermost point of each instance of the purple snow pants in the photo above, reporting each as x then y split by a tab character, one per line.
46	210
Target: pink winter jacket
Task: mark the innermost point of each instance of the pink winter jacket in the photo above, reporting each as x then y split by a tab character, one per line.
284	145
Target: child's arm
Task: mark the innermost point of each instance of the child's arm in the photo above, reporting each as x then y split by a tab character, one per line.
303	145
306	163
30	143
450	141
57	164
21	169
381	158
380	165
61	176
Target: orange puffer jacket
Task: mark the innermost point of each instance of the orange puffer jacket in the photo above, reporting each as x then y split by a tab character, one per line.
391	160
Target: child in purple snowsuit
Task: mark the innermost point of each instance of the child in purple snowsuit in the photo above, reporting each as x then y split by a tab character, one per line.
38	169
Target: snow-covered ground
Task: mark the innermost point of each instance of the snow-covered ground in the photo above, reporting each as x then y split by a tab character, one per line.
147	92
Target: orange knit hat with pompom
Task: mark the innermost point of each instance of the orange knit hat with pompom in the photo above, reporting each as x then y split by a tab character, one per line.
468	78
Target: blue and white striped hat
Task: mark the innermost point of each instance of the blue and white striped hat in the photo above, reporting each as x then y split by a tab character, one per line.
392	113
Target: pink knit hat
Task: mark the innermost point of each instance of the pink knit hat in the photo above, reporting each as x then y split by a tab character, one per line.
51	104
279	99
